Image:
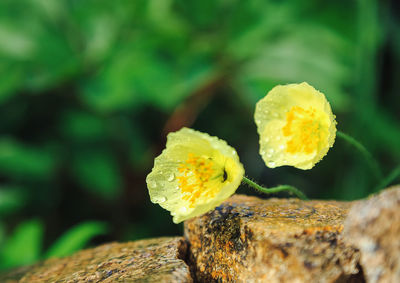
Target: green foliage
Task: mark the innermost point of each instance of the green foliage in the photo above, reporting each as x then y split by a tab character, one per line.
11	200
86	88
20	161
79	126
76	238
2	234
23	246
97	172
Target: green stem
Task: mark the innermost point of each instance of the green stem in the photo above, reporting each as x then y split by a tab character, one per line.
373	164
389	179
276	189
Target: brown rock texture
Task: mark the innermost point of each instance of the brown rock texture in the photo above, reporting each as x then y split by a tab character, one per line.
154	260
373	226
248	239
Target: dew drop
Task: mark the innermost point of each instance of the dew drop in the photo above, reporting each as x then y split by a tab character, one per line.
281	146
159	199
171	177
271	164
269	155
152	184
262	152
183	209
271	150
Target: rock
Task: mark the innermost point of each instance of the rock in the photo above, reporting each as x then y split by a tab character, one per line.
154	260
248	239
373	226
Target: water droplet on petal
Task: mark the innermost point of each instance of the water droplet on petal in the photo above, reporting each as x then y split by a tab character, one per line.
152	184
171	177
281	146
271	164
183	209
159	199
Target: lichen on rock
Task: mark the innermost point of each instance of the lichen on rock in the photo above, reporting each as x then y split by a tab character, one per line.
248	239
153	260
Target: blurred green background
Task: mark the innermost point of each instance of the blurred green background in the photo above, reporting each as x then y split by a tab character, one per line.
89	89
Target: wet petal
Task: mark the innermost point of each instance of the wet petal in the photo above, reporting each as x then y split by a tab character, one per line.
296	126
194	174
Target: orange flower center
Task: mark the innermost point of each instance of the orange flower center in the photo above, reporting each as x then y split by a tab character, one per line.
304	130
196	173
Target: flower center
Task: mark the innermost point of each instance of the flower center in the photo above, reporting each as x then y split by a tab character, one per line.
304	130
196	174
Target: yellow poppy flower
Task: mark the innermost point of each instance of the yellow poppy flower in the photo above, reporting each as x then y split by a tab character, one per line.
195	173
296	126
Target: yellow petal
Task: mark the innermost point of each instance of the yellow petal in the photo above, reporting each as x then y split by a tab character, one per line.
296	126
195	173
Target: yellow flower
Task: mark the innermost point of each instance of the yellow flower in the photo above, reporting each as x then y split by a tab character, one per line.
296	126
194	174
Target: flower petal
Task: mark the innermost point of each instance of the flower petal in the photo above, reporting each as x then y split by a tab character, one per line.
296	126
194	174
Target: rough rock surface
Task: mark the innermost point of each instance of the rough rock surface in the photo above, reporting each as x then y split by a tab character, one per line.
248	239
154	260
373	226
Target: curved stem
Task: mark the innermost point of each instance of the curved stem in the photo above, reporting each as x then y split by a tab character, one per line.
389	179
276	189
373	164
